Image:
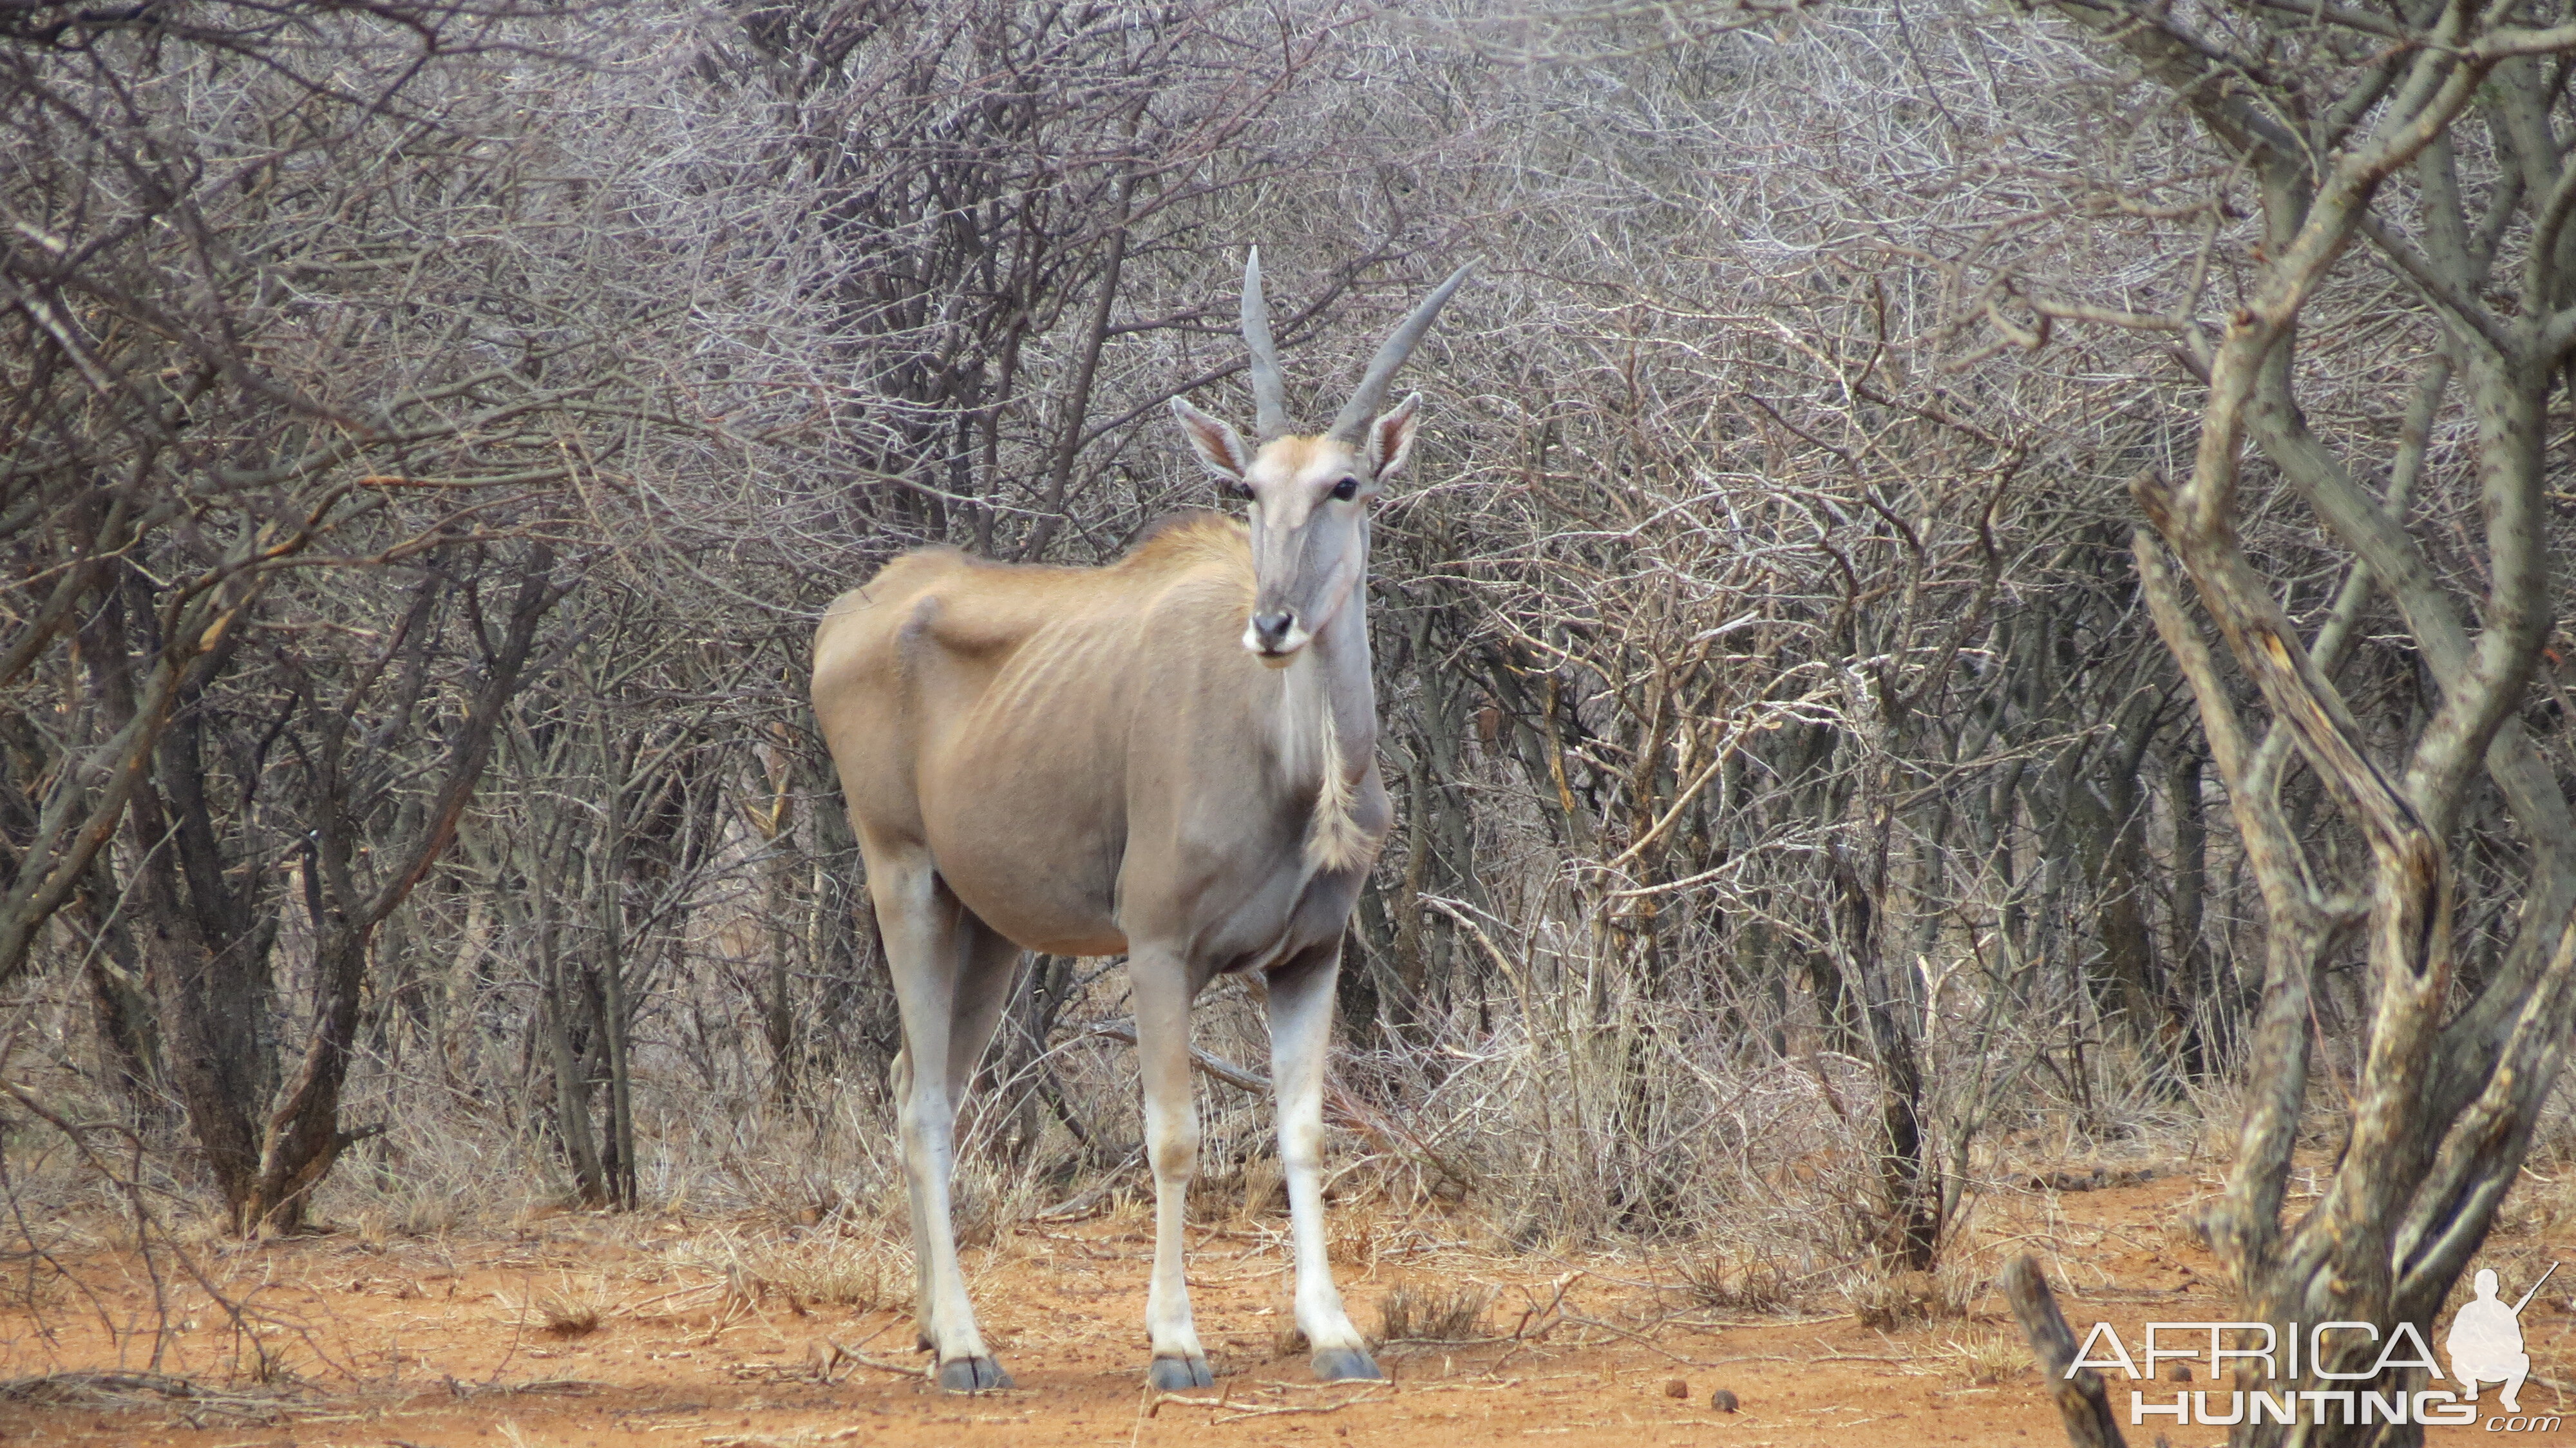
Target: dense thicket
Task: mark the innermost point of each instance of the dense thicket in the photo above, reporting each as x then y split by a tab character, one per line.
433	429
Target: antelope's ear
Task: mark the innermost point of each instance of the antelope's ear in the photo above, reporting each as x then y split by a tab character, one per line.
1217	443
1390	438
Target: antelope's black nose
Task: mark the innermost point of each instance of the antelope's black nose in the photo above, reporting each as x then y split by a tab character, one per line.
1271	629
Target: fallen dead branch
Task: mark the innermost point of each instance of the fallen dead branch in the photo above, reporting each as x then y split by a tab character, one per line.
1090	1198
99	1389
1231	1411
1640	1339
841	1352
1214	1067
464	1391
80	1389
1241	1413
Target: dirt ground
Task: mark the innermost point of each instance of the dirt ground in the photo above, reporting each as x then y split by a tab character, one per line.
421	1343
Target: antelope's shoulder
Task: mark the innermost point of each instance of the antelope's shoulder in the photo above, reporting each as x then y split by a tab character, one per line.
1195	565
1191	539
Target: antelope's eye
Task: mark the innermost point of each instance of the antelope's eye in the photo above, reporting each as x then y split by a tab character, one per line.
1347	489
1243	489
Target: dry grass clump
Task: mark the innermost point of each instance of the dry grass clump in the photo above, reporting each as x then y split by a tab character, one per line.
812	1271
570	1309
1896	1298
1129	1213
1745	1283
1352	1236
574	1311
1989	1355
1265	1188
1413	1313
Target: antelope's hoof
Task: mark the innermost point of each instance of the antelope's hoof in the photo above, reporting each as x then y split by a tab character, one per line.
972	1375
1173	1374
1335	1364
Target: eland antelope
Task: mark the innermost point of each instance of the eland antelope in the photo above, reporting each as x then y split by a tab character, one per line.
1173	756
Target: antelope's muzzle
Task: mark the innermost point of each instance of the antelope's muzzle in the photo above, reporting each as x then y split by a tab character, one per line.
1275	637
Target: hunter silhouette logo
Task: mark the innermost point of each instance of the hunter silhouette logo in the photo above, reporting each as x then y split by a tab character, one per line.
2265	1361
2486	1340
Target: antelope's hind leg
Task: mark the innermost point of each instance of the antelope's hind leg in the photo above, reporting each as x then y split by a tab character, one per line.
951	975
1301	1029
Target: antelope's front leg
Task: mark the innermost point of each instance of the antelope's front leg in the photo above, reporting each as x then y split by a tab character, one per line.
1159	984
1301	1028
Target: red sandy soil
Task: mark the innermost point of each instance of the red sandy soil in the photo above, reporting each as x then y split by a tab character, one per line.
428	1343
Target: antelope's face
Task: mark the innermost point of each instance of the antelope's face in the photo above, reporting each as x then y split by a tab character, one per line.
1309	500
1310	495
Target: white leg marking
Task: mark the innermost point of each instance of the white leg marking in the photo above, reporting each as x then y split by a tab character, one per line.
922	930
1301	1026
900	1081
1159	985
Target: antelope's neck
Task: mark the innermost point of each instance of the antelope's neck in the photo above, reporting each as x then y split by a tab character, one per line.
1329	702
